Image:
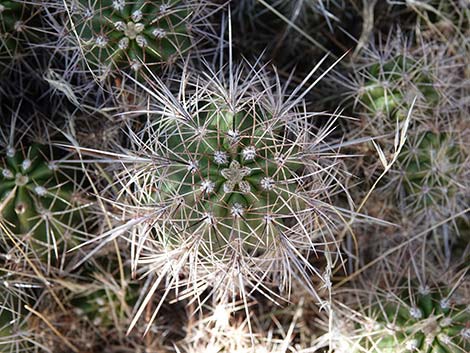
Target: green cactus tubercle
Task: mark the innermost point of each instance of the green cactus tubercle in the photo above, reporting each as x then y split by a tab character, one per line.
428	322
127	33
229	176
32	191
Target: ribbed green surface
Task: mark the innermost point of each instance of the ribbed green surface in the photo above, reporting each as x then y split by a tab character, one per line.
430	164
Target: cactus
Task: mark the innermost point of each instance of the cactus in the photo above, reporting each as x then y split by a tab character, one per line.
388	87
232	175
428	179
231	171
227	216
423	320
432	164
236	184
36	199
394	307
127	33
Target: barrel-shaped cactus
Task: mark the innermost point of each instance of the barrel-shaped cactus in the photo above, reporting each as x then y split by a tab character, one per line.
229	181
37	200
399	85
129	33
419	320
231	178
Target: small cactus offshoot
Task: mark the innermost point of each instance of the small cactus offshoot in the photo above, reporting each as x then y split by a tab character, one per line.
127	33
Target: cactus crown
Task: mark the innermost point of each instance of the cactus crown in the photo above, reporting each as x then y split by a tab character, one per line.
230	175
126	33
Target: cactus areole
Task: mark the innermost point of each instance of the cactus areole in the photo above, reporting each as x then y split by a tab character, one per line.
231	178
127	33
